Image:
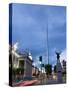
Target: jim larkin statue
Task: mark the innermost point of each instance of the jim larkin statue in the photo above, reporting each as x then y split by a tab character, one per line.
59	68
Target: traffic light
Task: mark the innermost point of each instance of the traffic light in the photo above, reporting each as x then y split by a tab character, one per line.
40	58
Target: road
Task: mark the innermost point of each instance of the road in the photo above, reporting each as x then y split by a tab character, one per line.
37	82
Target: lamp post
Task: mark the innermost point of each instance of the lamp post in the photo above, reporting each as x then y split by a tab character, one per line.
40	59
43	77
34	68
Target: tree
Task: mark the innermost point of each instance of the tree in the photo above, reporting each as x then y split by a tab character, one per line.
34	74
48	69
17	71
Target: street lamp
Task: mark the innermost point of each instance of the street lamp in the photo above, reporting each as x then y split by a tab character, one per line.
34	67
40	59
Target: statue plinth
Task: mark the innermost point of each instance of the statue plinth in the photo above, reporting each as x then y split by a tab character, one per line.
59	69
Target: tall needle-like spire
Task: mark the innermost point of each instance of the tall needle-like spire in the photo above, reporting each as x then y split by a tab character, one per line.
47	42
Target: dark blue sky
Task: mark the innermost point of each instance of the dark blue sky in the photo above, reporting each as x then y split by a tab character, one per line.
29	29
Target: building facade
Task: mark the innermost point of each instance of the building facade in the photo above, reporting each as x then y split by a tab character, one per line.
22	62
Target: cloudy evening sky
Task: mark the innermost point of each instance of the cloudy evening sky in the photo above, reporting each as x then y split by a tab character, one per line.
29	28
